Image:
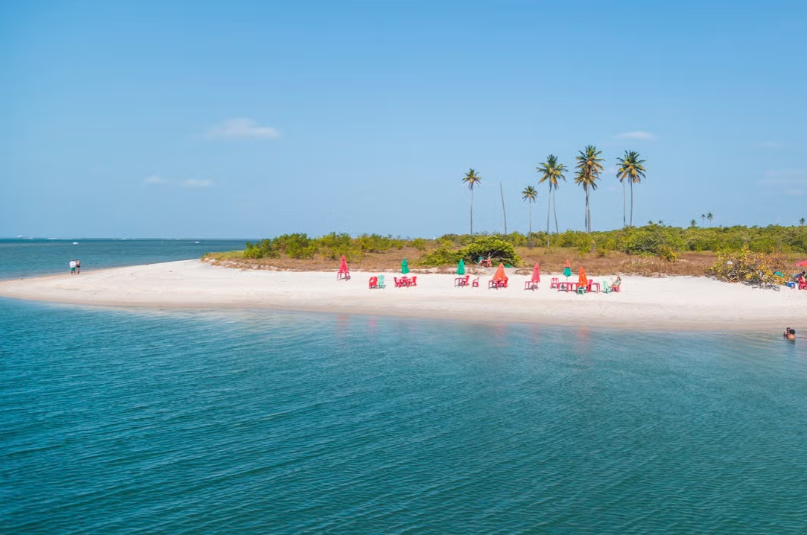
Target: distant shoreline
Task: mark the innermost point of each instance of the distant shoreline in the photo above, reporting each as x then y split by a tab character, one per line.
670	303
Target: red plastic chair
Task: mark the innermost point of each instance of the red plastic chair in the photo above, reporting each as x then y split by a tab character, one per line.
398	283
475	283
373	282
554	283
413	281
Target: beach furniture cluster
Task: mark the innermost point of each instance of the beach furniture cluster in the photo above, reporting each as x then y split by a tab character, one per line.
500	280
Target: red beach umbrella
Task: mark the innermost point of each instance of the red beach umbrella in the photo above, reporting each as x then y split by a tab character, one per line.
343	271
583	281
536	273
803	263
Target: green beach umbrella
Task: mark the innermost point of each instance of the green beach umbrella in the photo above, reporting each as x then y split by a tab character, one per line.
461	267
567	270
404	267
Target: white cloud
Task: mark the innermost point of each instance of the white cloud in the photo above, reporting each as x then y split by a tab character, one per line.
242	128
637	136
155	179
769	145
197	183
793	178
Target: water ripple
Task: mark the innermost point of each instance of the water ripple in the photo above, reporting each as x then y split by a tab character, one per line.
201	422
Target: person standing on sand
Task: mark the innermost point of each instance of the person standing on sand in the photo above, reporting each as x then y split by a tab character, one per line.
72	267
78	266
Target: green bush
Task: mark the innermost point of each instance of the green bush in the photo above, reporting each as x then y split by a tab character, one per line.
263	249
651	240
373	243
296	246
489	246
442	256
746	266
419	244
332	246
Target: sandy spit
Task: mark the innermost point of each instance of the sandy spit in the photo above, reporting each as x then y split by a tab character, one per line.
671	303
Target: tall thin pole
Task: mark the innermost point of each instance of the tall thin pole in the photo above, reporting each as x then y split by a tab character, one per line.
501	190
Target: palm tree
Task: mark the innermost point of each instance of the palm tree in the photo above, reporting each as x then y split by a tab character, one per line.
530	194
630	168
801	222
588	172
472	179
709	216
703	218
693	224
551	172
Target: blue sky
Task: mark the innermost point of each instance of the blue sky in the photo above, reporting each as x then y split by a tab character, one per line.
251	119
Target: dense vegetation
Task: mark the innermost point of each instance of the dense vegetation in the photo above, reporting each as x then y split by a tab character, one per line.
652	240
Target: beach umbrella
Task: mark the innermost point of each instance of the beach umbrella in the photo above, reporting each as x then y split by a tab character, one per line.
803	263
567	271
583	281
343	271
500	274
536	273
461	267
404	267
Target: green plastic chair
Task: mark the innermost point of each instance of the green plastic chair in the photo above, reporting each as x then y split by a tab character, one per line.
605	287
581	290
381	282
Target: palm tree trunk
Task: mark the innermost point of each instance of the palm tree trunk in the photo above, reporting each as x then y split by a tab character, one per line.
530	234
504	211
548	213
555	209
472	211
624	210
585	211
631	203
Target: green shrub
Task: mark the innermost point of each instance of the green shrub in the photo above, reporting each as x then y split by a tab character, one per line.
516	238
651	240
373	243
419	244
489	246
263	249
296	245
332	246
442	256
746	266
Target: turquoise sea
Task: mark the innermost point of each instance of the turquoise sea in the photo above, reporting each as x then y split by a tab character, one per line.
118	421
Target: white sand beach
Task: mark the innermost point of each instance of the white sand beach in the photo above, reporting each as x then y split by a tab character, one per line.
688	303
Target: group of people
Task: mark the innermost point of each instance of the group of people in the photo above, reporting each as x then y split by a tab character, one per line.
75	266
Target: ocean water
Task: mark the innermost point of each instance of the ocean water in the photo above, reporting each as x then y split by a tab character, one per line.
145	421
24	258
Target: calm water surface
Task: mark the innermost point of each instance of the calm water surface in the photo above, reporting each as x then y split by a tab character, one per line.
124	422
25	258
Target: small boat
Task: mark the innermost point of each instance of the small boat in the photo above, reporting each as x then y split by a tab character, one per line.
75	243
